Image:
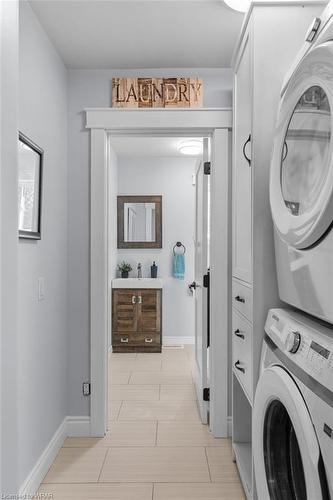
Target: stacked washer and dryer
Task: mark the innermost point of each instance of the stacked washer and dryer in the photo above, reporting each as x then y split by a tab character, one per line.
293	409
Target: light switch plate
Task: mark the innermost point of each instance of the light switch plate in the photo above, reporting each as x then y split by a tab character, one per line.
41	289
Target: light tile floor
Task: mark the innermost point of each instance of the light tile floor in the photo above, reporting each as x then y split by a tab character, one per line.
156	448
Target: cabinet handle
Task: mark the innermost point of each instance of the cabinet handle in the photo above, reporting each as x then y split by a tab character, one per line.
124	340
139	299
240	299
238	334
133	299
244	151
285	151
148	341
239	367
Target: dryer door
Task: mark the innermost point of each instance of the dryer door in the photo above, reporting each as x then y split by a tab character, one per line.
301	181
285	447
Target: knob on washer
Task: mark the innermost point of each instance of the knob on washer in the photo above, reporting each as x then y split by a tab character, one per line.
293	342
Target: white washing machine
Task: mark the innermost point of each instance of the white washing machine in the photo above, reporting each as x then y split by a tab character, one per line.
301	181
293	410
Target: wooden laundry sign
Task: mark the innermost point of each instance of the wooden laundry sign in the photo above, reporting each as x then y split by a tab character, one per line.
157	92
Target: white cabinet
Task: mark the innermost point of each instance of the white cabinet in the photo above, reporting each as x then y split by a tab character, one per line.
242	177
271	36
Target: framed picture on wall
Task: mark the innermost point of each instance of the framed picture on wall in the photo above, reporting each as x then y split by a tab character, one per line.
30	174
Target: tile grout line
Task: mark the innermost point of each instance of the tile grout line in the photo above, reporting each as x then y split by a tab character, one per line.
210	476
153	492
118	414
100	472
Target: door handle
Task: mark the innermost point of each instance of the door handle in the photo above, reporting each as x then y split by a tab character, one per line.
240	299
148	341
192	286
239	367
238	334
124	340
133	299
244	150
139	299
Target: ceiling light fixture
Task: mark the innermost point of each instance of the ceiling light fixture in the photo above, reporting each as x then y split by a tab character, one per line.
239	5
192	147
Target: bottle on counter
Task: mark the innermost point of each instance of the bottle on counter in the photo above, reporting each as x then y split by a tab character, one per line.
153	270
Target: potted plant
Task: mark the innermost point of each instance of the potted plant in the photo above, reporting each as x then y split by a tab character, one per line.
124	268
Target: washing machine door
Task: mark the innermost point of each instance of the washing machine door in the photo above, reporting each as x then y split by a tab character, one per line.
285	447
301	180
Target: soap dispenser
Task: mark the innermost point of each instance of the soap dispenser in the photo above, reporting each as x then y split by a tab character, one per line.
153	270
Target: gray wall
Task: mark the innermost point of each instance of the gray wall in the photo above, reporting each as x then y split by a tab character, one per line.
171	178
8	251
92	88
42	348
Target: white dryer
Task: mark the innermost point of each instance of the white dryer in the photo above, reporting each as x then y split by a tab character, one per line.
301	180
293	410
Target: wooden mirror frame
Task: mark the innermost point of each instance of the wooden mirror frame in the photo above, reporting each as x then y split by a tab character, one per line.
121	200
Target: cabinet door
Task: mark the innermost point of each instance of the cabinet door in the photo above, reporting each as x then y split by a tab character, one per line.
242	170
149	311
125	311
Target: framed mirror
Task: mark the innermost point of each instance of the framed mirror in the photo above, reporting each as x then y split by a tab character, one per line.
30	169
139	221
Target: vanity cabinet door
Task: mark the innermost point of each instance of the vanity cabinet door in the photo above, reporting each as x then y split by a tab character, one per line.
125	310
149	311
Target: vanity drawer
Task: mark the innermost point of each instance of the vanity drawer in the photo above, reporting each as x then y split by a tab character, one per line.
122	339
242	298
242	351
147	339
136	339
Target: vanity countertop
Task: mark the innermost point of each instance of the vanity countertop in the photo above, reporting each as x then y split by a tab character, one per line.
137	283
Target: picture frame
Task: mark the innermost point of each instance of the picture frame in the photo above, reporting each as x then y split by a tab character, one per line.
30	180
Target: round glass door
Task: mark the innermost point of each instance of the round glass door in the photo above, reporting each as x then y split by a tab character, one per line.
285	447
301	176
283	461
305	153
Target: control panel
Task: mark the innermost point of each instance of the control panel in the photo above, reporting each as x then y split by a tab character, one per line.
307	343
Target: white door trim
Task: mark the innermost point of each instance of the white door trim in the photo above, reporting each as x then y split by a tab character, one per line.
101	122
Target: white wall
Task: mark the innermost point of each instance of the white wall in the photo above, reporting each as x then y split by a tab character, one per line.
43	346
8	250
171	178
93	89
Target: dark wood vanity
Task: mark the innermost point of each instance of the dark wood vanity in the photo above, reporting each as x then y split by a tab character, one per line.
136	320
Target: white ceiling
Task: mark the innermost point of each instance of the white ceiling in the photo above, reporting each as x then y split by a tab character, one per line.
125	34
148	146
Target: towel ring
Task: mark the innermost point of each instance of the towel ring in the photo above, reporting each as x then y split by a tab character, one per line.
179	244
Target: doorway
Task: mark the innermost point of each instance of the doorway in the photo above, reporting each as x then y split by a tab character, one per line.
219	132
168	170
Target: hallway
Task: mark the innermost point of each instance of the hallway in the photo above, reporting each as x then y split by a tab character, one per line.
156	448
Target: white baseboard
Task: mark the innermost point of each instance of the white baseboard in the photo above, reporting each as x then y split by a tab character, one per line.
229	426
78	426
178	340
71	426
36	476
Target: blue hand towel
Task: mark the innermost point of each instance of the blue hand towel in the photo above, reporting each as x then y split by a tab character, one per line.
179	266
